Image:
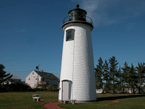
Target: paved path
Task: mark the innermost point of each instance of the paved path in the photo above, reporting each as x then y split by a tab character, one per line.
51	105
114	101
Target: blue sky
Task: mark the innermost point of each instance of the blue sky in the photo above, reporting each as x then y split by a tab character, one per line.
31	33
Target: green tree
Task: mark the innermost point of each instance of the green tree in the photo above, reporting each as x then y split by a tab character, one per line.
141	75
107	86
3	75
113	69
124	76
132	78
117	79
99	74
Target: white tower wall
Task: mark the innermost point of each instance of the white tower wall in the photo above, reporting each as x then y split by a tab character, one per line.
77	64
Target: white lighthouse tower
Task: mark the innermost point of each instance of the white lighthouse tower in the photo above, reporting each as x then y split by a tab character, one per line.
77	79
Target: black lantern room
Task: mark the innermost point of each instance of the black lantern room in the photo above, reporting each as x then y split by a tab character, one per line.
77	15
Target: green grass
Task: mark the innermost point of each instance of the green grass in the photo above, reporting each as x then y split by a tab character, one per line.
23	100
126	101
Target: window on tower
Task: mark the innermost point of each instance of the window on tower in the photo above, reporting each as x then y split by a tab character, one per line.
70	34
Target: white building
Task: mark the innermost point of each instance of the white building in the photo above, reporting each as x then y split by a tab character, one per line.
77	80
40	77
100	91
13	79
130	90
126	90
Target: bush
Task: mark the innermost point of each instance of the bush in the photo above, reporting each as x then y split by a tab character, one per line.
50	88
2	88
18	87
46	88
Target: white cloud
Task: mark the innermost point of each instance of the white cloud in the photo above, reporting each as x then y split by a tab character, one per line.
22	30
107	12
18	30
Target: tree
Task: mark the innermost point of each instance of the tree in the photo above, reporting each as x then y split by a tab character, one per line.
124	75
132	78
107	85
117	79
113	69
99	74
141	75
3	75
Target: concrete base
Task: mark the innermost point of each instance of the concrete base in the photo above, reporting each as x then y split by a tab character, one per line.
77	101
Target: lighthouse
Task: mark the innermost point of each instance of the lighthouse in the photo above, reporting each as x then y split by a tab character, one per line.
77	78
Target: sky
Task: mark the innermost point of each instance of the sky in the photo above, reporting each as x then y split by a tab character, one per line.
31	32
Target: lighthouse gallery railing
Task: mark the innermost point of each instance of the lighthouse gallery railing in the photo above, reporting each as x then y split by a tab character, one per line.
88	19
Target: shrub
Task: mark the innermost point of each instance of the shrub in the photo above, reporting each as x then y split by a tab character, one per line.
50	88
2	88
19	87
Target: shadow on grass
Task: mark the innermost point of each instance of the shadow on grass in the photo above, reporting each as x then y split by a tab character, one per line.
117	97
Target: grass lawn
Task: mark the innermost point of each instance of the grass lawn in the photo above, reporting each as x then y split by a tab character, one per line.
23	100
126	101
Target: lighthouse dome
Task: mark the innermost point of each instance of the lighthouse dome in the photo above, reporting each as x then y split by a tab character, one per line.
77	14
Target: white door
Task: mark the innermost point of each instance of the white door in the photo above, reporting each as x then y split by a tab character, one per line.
66	90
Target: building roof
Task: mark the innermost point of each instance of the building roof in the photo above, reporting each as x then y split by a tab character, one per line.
15	77
46	75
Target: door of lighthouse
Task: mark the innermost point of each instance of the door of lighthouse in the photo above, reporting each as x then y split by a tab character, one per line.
66	89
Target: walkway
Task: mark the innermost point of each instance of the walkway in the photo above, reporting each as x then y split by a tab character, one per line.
51	105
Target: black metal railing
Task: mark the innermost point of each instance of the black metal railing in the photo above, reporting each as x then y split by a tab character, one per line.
88	19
